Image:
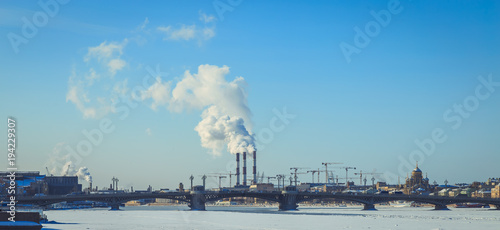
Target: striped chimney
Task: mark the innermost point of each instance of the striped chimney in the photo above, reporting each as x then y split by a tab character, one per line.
254	167
244	168
237	169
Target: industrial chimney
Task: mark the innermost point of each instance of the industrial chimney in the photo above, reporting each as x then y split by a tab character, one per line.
254	167
244	168
237	169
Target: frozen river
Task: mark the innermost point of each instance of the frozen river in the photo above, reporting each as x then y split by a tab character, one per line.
234	217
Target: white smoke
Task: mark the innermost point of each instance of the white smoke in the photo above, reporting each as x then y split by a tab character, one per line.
226	116
216	129
84	174
55	163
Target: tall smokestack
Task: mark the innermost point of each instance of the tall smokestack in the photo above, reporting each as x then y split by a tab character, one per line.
237	169
254	167
244	168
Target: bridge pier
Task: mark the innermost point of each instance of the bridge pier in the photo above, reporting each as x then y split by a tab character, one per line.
440	207
115	206
369	207
288	201
197	202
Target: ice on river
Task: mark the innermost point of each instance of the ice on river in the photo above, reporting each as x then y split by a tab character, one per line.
234	217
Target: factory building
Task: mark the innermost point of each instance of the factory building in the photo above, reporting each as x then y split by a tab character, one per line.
28	183
62	185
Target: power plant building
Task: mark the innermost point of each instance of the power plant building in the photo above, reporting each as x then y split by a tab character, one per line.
62	185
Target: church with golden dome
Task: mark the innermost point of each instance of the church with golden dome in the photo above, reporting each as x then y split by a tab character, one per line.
416	184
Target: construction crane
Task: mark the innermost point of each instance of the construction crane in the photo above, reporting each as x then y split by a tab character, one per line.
225	174
215	176
270	177
346	173
313	172
361	176
67	170
220	179
48	173
295	173
347	180
326	168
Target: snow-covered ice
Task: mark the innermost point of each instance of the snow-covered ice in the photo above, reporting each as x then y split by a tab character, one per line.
179	217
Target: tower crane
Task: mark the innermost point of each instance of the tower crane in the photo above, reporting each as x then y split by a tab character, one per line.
346	173
326	168
48	173
220	176
67	170
225	176
295	173
313	172
270	177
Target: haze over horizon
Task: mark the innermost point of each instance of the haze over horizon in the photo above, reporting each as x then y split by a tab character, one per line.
153	93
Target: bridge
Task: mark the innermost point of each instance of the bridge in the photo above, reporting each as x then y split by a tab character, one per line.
288	200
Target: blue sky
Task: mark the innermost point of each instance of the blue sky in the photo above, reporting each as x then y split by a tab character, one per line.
366	112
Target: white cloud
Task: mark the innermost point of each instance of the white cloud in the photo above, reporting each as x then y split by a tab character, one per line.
91	76
208	33
121	88
108	54
115	65
159	92
144	24
190	32
105	50
206	18
77	96
182	33
97	106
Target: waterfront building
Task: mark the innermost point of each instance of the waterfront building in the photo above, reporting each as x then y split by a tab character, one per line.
416	184
495	192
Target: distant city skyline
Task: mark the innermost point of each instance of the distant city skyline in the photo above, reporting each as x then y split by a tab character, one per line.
152	93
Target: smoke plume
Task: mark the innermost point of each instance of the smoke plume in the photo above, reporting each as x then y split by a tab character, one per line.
56	160
225	117
84	174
